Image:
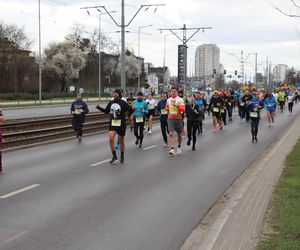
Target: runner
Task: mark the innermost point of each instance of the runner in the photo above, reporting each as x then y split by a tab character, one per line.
230	105
244	100
2	119
79	109
281	99
296	96
202	104
175	106
224	109
140	108
193	114
270	106
290	99
208	97
130	101
254	106
238	96
151	106
117	109
216	103
163	116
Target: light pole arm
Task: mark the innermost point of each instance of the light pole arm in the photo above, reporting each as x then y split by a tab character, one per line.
138	11
109	13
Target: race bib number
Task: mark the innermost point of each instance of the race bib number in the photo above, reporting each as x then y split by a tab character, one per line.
164	112
216	109
139	119
222	111
254	114
242	104
78	111
173	110
116	123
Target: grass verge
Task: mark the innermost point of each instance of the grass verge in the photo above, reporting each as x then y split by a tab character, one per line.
283	216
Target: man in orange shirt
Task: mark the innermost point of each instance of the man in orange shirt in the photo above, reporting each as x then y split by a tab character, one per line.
175	106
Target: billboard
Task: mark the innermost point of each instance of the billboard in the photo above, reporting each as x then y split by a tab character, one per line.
182	65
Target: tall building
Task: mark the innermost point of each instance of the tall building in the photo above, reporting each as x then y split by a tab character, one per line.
207	59
279	72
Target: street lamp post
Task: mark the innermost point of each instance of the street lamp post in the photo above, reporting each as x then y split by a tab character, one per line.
164	60
99	43
40	56
139	54
123	25
100	47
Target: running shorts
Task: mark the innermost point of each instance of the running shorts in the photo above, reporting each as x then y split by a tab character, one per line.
175	125
150	112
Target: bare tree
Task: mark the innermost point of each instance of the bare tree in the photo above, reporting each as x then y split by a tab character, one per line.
15	35
295	5
88	41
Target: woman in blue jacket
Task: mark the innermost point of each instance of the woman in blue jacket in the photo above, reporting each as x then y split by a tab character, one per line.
270	105
140	108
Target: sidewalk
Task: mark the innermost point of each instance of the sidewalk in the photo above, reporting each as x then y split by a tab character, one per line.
237	218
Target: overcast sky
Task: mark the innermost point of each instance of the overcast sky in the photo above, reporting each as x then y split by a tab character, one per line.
249	25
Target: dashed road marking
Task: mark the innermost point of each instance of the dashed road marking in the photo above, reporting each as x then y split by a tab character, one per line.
19	191
100	163
150	147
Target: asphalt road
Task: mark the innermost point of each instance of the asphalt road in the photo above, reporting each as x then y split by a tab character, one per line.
152	202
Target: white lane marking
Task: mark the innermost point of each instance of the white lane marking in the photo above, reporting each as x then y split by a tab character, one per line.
19	191
100	163
150	147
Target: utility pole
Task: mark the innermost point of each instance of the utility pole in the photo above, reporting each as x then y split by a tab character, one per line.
256	70
182	67
270	74
267	72
242	67
139	54
242	61
40	56
99	44
164	60
123	26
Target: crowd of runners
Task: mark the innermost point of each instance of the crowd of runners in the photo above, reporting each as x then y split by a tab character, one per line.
181	115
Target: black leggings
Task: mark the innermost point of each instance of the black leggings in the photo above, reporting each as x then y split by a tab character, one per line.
224	116
192	127
254	126
281	104
139	130
291	104
77	123
164	130
229	109
200	130
245	113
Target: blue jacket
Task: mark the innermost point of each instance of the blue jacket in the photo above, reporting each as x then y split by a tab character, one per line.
253	105
270	104
160	108
200	103
79	108
139	106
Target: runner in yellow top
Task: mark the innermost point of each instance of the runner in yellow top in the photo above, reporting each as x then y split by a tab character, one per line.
281	99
